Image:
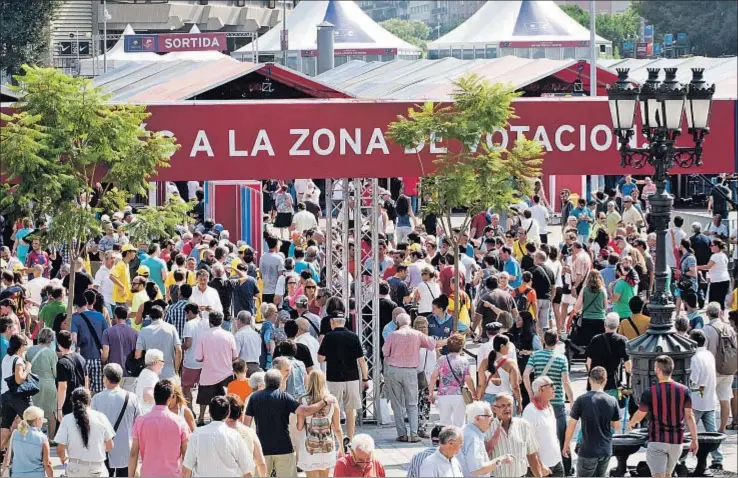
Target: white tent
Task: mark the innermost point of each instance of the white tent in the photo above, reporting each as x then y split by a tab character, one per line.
194	55
116	57
356	37
524	28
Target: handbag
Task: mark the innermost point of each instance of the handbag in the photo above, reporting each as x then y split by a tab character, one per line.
422	378
30	387
465	392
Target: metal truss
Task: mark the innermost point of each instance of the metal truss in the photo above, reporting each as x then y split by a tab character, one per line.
366	288
336	239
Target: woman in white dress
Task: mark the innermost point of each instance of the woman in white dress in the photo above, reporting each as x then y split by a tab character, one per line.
321	437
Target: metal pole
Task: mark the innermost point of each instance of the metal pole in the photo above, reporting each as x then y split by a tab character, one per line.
284	29
77	37
592	50
105	36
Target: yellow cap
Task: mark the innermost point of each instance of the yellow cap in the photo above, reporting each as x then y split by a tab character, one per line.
143	270
127	248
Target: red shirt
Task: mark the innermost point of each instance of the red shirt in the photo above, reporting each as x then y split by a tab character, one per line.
389	272
346	467
40	257
446	277
478	223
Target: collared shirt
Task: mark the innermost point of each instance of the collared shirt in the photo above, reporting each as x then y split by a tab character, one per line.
401	349
248	343
216	350
704	373
217	450
70	436
438	465
160	434
110	403
580	266
413	469
518	441
473	455
543	423
104	284
176	315
209	297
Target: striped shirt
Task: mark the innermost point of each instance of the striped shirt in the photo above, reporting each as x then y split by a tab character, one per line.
413	470
665	402
556	372
176	316
519	441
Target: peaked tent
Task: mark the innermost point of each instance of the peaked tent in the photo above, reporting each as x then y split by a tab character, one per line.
116	57
356	37
194	55
524	28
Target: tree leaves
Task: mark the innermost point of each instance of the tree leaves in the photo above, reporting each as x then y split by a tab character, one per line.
617	27
412	31
24	32
158	222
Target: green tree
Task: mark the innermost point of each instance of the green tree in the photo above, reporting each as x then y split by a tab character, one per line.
64	139
710	26
158	222
469	174
24	32
617	28
412	31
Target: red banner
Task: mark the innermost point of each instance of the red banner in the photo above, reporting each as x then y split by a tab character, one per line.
169	42
336	138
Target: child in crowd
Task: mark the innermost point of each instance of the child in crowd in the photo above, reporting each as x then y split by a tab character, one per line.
240	386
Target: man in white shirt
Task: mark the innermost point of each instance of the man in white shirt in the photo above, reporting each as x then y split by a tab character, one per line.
444	462
677	235
216	449
704	377
540	216
191	368
36	285
248	342
102	282
305	337
205	296
540	414
304	219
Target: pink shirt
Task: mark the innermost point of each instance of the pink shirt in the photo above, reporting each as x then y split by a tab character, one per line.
216	349
164	432
402	347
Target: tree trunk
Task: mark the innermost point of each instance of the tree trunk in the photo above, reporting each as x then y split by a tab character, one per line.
70	299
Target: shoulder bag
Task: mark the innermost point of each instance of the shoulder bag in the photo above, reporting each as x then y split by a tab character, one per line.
422	378
635	327
30	387
468	398
548	364
117	424
93	332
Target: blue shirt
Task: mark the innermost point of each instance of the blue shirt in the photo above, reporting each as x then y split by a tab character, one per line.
388	329
473	455
513	269
22	249
626	188
608	274
582	224
3	346
302	265
155	266
86	345
441	330
695	320
265	361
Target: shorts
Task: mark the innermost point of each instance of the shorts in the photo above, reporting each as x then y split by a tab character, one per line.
558	295
284	219
190	377
13	407
662	457
724	385
207	392
94	371
348	394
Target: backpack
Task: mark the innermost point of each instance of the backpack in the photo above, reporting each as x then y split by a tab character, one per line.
521	300
318	432
726	353
135	366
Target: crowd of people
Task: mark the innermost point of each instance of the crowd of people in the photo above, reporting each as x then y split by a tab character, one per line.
191	355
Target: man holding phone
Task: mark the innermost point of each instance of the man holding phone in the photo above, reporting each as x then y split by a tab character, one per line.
205	296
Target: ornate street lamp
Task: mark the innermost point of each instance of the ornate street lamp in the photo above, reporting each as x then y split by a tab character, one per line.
662	107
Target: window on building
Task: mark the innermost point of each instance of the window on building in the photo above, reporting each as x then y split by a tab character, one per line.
456	53
570	53
468	54
538	52
372	58
444	53
433	54
507	51
522	52
491	52
340	60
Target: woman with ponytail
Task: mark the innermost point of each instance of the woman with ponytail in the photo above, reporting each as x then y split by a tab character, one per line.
84	437
29	450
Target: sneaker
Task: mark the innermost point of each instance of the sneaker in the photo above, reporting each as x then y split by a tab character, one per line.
716	466
413	439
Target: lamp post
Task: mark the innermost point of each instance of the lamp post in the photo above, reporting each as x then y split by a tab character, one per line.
662	107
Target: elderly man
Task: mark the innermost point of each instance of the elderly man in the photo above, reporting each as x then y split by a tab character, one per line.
715	329
444	462
302	307
608	350
413	469
473	457
599	414
305	338
341	351
514	436
248	342
401	359
540	415
361	462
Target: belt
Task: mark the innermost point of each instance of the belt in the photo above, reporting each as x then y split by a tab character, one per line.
88	463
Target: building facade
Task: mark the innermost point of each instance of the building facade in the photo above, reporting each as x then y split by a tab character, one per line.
76	31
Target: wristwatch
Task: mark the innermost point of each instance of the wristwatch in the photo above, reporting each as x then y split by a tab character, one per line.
364	379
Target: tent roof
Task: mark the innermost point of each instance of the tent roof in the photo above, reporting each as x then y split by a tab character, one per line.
354	29
116	56
180	80
516	21
721	71
432	79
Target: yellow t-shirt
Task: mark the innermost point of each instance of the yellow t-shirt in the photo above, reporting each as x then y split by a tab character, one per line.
189	278
123	274
734	301
519	249
138	299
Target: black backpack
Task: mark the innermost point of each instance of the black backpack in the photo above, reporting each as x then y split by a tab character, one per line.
135	366
521	300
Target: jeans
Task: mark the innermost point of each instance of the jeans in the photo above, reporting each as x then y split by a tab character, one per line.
402	391
561	417
709	420
592	466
